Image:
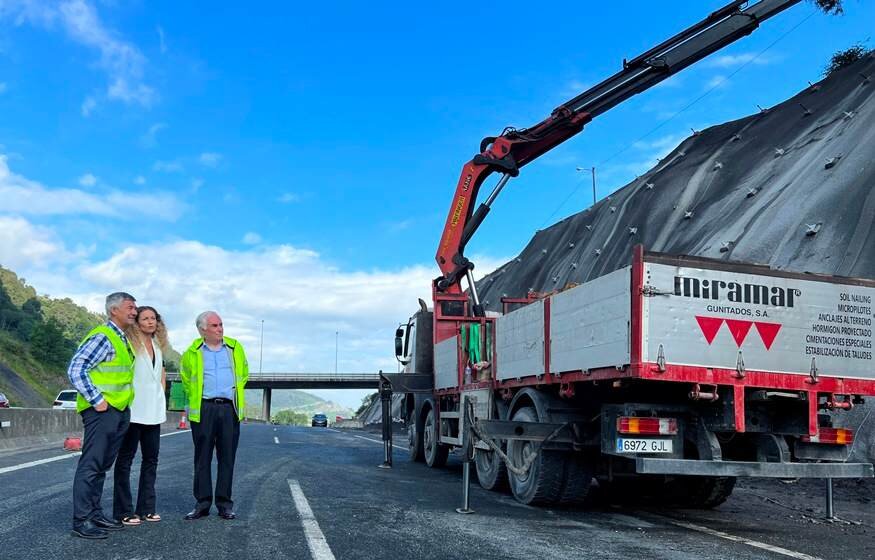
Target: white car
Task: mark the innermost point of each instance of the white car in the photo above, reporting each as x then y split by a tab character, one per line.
66	399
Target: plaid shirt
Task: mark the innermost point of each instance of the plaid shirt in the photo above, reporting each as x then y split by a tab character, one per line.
96	349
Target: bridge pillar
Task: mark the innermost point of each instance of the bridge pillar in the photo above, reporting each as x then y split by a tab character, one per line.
265	404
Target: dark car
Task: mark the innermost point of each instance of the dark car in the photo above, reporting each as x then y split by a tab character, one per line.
4	402
320	421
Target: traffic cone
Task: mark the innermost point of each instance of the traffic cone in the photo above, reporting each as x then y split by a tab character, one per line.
72	443
183	424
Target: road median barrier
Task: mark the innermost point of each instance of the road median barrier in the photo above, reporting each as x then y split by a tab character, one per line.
21	428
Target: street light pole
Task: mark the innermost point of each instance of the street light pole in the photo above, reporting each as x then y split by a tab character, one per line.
592	171
261	348
335	351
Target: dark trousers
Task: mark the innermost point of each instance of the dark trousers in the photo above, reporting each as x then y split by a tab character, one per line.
218	429
103	437
148	438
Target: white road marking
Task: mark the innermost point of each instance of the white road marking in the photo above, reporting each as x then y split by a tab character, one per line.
379	441
61	457
319	548
276	439
175	433
333	430
40	462
749	542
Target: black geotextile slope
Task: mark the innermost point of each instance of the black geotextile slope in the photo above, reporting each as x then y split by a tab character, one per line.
752	187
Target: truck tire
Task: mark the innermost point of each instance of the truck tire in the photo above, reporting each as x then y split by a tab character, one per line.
491	472
579	472
545	479
435	453
704	492
414	440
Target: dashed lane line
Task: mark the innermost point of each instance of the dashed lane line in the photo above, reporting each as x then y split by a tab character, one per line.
276	439
319	548
379	441
748	542
30	464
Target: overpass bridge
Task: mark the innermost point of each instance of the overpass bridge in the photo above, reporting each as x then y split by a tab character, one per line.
269	381
306	380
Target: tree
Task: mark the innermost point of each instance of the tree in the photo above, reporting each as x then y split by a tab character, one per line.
844	58
832	7
291	417
48	345
366	402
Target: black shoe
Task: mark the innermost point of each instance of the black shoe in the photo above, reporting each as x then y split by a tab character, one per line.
88	530
227	514
196	514
107	524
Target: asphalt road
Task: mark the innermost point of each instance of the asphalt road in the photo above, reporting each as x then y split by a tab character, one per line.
316	493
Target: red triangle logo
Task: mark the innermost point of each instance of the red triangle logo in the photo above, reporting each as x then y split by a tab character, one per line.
739	329
709	326
768	332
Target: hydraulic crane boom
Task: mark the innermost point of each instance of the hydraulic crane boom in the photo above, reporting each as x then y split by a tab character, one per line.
514	148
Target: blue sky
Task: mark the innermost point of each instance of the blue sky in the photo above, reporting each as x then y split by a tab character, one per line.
295	163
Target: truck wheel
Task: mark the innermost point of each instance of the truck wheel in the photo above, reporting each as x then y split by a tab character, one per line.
545	479
435	453
704	492
578	478
414	441
491	472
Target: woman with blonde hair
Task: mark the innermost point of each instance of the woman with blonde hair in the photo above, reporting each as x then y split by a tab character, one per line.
148	338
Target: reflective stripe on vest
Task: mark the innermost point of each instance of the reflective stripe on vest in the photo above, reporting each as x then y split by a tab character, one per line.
114	378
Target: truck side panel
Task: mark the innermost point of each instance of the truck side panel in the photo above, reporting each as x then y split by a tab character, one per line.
589	325
446	363
519	342
707	318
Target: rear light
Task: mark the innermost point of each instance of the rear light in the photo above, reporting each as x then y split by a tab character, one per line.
835	436
647	426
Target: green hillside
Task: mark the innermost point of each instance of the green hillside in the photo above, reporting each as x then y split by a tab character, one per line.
38	336
300	404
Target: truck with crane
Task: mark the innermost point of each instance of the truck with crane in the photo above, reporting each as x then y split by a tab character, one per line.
669	377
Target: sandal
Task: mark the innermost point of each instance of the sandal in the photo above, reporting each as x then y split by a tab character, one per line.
153	517
131	520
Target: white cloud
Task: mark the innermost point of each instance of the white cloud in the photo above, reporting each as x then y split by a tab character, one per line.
88	180
196	184
23	196
122	61
140	180
717	82
401	225
149	139
23	244
302	300
210	159
168	166
288	198
88	106
251	238
733	60
161	42
2	87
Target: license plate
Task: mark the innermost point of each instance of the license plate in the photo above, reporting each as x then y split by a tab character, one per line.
641	445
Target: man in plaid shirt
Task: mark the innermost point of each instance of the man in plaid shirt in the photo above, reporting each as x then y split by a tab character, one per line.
101	371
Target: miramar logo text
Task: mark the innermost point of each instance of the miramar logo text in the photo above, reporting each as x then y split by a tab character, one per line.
735	292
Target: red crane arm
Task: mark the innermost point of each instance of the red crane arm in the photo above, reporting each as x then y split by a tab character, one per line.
507	153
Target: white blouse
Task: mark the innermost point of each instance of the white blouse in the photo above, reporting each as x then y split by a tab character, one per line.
148	406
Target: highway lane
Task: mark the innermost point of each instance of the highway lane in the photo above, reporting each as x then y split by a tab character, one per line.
316	493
